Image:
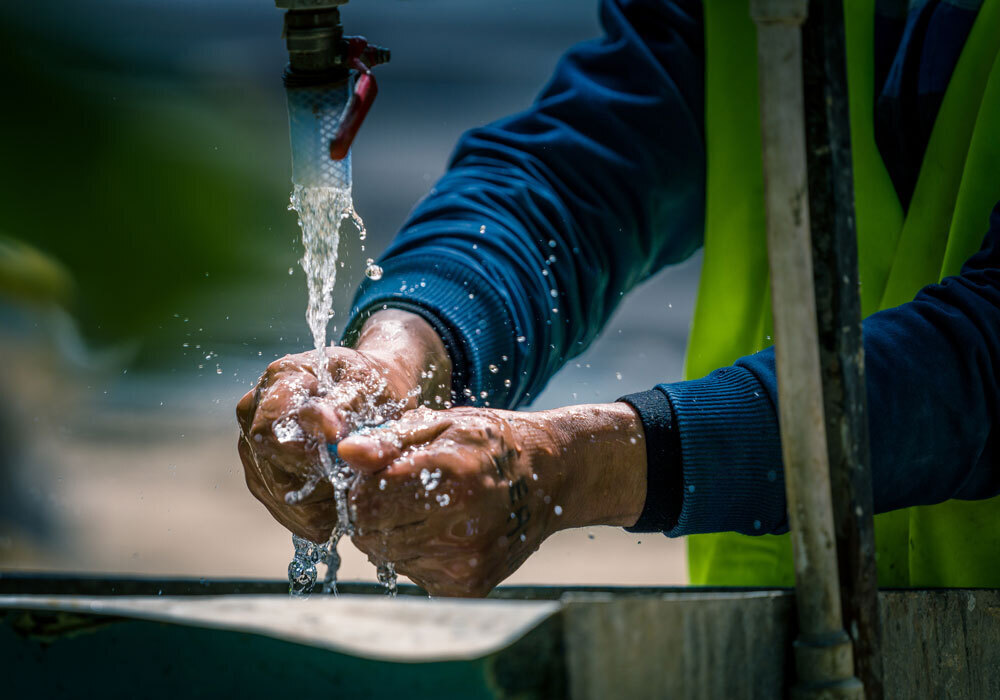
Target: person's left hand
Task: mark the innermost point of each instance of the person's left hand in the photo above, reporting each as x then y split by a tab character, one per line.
458	499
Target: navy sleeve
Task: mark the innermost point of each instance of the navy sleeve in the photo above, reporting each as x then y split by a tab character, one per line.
545	219
932	370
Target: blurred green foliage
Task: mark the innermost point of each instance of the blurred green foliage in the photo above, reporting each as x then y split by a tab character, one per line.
153	192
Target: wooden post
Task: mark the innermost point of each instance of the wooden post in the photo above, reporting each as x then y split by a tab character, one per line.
838	308
823	652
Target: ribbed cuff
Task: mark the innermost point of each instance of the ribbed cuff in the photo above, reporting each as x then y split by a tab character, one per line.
663	467
469	316
731	455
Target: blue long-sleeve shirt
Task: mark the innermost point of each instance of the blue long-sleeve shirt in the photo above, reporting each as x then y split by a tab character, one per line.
546	219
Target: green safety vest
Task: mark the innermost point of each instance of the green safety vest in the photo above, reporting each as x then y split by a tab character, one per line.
956	543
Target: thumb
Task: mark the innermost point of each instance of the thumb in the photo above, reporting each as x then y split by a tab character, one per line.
376	448
322	420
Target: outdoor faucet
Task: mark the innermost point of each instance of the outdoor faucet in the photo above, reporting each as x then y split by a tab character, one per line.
330	88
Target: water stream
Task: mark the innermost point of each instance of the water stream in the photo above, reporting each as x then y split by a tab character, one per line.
322	211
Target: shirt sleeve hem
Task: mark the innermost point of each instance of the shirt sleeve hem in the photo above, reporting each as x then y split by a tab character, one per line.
663	468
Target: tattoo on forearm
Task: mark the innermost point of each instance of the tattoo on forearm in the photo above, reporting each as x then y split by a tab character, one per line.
502	463
520	514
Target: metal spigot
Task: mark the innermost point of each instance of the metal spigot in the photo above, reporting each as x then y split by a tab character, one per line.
313	34
330	89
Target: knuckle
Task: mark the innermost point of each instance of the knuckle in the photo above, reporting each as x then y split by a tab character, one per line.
282	364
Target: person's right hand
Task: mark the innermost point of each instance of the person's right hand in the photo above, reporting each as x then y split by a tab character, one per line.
285	422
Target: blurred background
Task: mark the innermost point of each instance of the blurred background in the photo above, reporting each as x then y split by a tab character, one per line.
149	268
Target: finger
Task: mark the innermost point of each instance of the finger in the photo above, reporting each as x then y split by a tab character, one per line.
352	401
324	420
376	449
315	521
285	394
289	372
245	409
280	478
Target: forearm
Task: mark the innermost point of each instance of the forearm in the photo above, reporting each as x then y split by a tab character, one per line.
594	458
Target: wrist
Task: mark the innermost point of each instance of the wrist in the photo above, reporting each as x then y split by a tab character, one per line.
407	343
598	466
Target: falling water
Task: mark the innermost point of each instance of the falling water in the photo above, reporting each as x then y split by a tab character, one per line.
322	211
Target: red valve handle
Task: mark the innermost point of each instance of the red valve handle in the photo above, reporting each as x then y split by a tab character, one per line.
360	56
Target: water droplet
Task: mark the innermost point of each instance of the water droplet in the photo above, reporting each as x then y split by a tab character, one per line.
443	499
482	229
483	394
618	376
386	572
756	524
291	271
552	243
553	293
494	369
557	510
430	479
521	338
372	271
381	484
506	382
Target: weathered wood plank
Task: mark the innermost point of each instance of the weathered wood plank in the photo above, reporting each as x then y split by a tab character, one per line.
937	644
941	644
692	645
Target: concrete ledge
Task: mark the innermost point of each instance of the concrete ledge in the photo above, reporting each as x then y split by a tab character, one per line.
524	643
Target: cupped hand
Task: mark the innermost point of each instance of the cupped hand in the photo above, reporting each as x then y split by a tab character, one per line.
290	417
457	499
